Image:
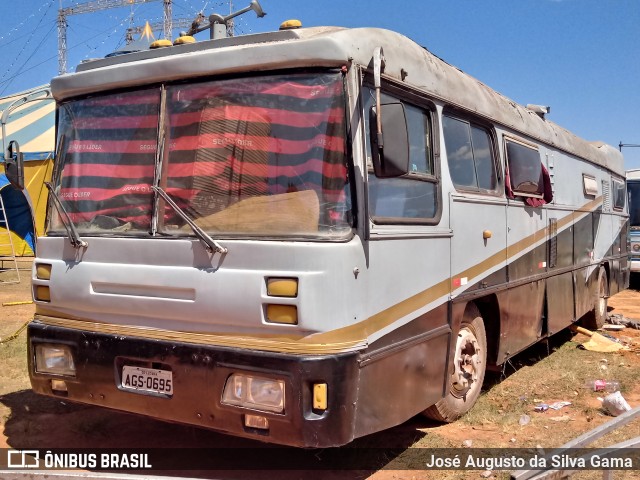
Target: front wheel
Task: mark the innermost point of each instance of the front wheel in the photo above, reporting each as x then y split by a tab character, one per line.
470	361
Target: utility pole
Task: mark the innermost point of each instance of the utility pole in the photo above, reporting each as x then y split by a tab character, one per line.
62	41
168	19
94	6
230	22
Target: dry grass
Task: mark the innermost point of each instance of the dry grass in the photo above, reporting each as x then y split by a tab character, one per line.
542	374
559	376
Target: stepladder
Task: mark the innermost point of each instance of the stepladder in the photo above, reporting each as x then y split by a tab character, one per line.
9	271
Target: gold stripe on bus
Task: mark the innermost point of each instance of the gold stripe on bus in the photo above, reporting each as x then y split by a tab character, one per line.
364	329
345	339
392	314
518	247
359	332
251	342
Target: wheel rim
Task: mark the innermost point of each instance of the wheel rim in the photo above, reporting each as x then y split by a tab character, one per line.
468	363
602	296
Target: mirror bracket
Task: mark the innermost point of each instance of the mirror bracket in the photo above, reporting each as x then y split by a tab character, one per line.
378	68
14	165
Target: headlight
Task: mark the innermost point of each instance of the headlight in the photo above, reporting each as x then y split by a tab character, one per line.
635	247
258	393
55	359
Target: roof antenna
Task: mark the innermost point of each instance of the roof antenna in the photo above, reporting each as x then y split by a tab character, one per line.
218	23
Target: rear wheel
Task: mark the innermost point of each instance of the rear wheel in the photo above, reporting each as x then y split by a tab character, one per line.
595	319
470	360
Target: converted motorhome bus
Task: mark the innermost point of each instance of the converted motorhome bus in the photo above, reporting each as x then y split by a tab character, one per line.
633	189
310	235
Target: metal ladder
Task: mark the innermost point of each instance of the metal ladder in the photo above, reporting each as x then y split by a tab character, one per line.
5	236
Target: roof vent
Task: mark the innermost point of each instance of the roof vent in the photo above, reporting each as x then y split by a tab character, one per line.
160	44
290	24
539	110
184	39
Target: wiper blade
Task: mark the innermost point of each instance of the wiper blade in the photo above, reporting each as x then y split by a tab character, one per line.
72	233
209	243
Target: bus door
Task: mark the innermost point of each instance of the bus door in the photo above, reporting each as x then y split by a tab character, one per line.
408	266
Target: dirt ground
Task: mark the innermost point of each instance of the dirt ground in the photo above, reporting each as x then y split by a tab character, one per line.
31	421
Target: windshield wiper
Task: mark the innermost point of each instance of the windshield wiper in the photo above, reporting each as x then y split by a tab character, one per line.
72	233
209	243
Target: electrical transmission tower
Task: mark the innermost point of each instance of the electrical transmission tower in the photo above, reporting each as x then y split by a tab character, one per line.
183	23
95	6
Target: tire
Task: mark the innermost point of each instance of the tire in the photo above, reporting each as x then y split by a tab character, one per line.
595	318
470	361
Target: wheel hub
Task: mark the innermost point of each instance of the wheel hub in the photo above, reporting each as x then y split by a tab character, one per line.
466	363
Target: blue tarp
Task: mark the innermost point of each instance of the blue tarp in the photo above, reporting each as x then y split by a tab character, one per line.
19	213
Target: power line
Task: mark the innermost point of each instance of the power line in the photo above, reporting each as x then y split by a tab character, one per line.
116	29
29	69
27	42
30	56
75	46
94	6
7	78
18	27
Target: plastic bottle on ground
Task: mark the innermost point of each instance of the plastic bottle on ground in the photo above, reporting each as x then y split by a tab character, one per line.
603	385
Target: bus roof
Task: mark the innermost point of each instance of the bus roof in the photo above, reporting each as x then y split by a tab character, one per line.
405	61
633	174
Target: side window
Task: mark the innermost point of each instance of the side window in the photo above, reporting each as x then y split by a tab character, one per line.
470	154
525	170
412	197
618	188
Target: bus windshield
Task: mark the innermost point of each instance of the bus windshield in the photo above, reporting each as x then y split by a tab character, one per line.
258	156
634	204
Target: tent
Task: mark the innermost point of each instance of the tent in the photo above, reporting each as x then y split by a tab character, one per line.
32	125
19	216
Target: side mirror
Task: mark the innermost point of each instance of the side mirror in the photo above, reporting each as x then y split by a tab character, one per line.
14	165
390	151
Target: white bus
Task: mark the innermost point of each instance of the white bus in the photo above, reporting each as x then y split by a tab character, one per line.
306	236
633	189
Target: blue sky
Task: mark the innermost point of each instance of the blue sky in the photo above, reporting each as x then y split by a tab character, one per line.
581	57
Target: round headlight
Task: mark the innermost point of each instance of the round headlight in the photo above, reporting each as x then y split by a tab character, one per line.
635	247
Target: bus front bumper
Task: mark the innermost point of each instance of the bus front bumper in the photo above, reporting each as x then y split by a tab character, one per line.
198	375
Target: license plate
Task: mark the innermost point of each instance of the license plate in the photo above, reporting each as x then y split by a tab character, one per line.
147	380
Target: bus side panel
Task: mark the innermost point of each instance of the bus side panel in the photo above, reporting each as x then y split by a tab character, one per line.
619	273
528	224
583	255
559	291
616	276
620	267
585	283
521	314
398	382
475	259
559	302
